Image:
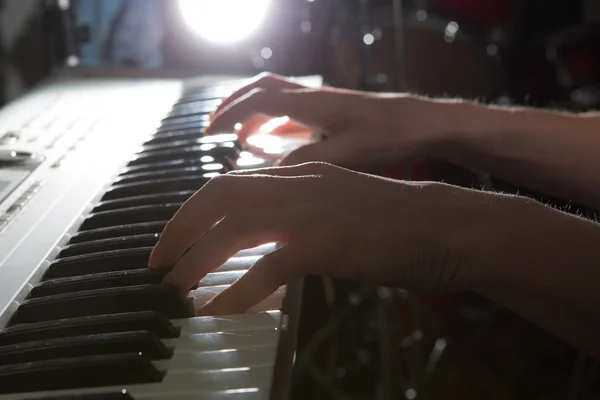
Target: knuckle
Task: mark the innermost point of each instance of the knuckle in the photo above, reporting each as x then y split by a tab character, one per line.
238	222
265	77
221	185
314	167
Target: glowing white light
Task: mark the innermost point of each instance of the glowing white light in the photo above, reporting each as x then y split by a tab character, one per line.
249	162
212	167
368	39
207	159
266	53
219	138
72	61
224	21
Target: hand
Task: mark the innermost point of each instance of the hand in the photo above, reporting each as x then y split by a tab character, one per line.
363	129
330	221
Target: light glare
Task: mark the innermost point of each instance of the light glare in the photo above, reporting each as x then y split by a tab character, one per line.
224	21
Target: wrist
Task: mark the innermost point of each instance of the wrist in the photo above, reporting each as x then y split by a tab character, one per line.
514	243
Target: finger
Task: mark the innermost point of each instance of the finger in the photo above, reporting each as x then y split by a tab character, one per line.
310	254
268	274
226	194
252	126
234	233
197	215
263	81
340	149
299	170
307	106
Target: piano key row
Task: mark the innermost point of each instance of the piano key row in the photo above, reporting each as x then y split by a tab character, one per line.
110	314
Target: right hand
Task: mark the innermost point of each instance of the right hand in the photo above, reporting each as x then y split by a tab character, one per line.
362	129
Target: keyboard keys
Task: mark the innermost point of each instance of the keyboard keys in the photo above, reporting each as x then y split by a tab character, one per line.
65	373
150	199
131	215
222	140
197	125
142	342
118	231
207	163
193	152
176	120
160	298
155	186
116	395
134	277
118	243
107	261
170	137
172	173
149	321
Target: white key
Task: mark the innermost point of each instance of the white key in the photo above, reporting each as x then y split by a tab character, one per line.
230	323
258	250
219	359
206	381
223	340
221	278
203	294
238	263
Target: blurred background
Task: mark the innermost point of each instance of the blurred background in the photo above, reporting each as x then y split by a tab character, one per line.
356	341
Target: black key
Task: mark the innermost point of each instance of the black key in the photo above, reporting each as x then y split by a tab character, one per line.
131	215
173	173
155	186
208	95
123	322
213	166
147	276
175	119
95	263
184	119
199	125
200	105
194	108
168	137
149	199
183	144
143	342
119	395
160	298
78	372
216	154
118	243
118	231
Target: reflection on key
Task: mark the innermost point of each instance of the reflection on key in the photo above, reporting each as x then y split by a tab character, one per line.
203	294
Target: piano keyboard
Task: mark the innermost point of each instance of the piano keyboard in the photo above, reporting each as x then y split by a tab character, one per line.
91	321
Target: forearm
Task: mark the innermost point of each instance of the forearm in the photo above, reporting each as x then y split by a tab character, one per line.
555	153
541	263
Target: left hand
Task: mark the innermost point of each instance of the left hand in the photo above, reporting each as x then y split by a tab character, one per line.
330	221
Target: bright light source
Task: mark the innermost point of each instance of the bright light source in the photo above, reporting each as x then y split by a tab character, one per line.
224	21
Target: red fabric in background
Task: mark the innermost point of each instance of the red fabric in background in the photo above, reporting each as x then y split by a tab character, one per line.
485	13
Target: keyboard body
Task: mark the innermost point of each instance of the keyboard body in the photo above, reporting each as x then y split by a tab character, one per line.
85	133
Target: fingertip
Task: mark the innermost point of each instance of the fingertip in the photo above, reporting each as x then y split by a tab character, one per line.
156	259
215	306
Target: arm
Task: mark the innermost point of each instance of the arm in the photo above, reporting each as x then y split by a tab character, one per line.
553	152
542	264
